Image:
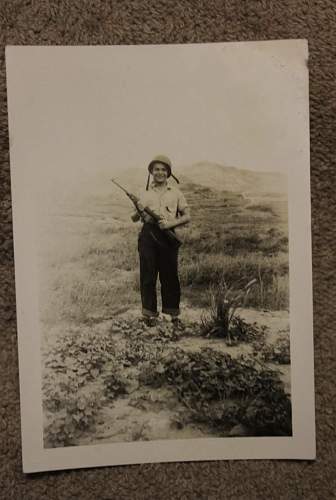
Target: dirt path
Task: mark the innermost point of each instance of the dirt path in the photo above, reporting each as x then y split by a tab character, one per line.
146	414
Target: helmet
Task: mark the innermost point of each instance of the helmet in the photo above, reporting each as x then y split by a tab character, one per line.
161	159
164	160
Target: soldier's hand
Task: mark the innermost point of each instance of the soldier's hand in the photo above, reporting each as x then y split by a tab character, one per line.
164	224
140	206
146	217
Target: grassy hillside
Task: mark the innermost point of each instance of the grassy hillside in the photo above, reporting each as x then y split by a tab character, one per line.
107	377
89	260
233	238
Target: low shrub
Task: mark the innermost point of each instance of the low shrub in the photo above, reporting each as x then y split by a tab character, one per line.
240	331
279	352
72	392
70	412
225	299
221	391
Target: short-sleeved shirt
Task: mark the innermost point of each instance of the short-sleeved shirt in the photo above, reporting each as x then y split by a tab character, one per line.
168	203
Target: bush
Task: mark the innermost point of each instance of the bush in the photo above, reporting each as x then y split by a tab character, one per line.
71	412
240	331
220	391
279	352
225	299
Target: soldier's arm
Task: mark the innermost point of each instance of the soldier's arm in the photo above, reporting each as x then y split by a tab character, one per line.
183	211
184	218
178	221
141	214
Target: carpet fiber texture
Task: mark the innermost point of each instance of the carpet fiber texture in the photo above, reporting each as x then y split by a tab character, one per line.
38	22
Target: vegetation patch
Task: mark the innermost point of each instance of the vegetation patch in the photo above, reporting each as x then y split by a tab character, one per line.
221	391
80	374
278	352
240	331
68	413
271	271
222	320
91	273
139	351
261	208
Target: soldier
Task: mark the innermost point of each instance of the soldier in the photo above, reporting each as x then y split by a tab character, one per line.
157	255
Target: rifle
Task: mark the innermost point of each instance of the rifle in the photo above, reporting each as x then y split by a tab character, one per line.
156	217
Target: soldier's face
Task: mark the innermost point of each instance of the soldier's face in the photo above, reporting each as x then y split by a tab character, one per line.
159	173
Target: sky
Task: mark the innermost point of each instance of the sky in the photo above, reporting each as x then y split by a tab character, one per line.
80	112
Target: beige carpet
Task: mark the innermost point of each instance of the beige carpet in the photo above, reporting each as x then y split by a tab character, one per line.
169	21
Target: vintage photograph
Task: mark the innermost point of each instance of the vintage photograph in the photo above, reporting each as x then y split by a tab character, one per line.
163	227
166	313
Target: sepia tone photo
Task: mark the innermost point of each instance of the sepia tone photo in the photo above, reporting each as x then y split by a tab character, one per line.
164	188
169	318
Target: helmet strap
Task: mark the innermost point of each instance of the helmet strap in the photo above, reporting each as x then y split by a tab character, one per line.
178	182
148	179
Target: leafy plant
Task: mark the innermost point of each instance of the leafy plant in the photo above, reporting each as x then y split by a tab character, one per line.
225	299
241	331
115	384
221	391
138	350
70	413
72	392
81	354
278	352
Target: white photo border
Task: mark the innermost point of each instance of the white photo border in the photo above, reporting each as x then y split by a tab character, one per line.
35	457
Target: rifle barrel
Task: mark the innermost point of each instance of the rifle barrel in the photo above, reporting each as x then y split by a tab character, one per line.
119	186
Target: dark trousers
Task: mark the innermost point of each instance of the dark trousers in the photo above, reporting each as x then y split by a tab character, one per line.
158	257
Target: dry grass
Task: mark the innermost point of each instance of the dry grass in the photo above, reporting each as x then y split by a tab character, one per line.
91	276
272	273
89	265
